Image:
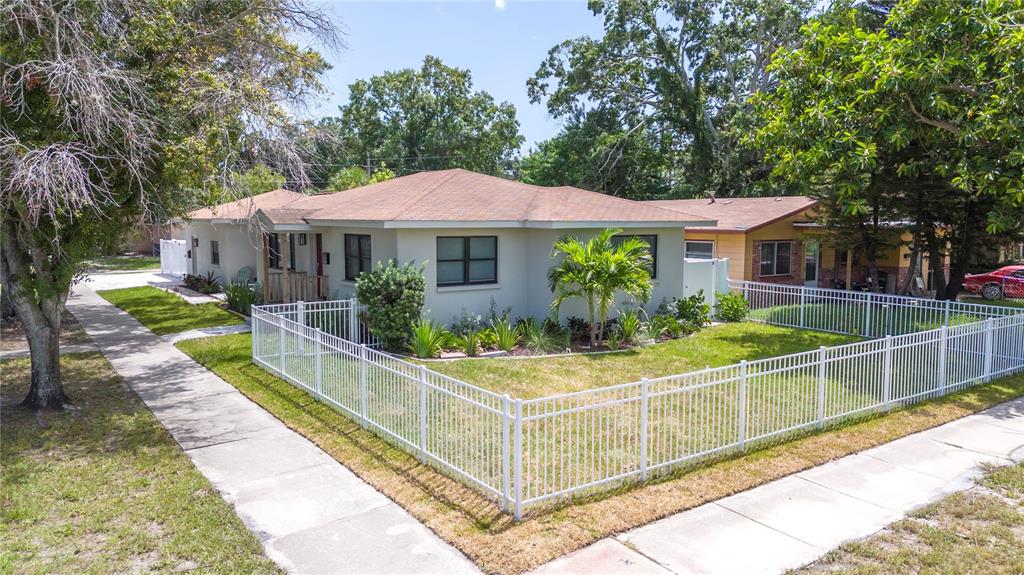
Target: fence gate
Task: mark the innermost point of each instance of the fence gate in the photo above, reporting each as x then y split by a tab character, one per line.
712	276
172	257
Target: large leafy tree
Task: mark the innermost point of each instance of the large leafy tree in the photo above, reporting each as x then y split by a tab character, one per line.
426	119
598	269
596	152
682	69
118	109
914	121
355	176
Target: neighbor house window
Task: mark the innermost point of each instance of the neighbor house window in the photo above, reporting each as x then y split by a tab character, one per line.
467	260
357	255
215	252
700	250
274	247
776	258
652	242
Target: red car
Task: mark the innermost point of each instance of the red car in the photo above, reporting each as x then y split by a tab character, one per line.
1004	282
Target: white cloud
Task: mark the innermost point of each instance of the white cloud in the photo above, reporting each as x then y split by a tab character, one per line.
499	4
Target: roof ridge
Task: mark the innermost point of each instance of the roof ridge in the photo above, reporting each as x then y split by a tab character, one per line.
416	200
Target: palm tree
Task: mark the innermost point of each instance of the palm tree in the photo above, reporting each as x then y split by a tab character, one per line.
596	270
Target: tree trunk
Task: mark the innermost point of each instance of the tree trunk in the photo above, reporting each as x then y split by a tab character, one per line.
24	265
936	264
915	254
46	390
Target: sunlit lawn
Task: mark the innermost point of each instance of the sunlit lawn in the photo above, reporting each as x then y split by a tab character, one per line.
712	347
125	263
165	313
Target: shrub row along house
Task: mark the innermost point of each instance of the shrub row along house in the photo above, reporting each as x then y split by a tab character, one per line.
480	238
778	240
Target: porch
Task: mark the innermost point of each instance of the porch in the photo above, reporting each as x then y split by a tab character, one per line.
292	267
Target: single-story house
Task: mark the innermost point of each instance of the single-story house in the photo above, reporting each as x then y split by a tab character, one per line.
777	240
481	239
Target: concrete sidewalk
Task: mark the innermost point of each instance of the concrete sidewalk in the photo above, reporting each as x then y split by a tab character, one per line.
795	520
312	514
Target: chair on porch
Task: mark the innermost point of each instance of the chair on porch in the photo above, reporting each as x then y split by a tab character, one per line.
245	275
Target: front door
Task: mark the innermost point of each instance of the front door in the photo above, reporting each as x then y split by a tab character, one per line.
811	251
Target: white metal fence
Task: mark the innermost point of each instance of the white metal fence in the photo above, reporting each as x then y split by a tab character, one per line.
529	453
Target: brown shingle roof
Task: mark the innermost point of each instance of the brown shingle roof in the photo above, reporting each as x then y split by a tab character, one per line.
245	207
462	196
740	214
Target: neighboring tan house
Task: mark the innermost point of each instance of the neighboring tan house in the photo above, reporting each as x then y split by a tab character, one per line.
777	240
481	238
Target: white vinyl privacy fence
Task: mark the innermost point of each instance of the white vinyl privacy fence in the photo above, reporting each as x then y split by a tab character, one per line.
173	257
534	452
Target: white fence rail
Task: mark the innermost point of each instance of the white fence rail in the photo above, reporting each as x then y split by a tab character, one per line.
857	313
530	453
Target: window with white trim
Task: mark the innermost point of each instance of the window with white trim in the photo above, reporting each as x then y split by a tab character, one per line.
700	249
776	258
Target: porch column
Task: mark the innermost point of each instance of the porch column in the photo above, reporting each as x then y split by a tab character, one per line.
849	269
286	255
266	268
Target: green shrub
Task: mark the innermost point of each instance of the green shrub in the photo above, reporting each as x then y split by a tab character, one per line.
242	296
630	324
470	342
466	322
539	340
487	338
206	284
506	335
613	339
693	310
393	296
731	307
428	338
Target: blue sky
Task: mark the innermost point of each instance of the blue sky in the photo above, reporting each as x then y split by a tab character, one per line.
501	46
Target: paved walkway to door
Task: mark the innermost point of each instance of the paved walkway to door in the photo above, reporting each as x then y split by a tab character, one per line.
793	521
312	514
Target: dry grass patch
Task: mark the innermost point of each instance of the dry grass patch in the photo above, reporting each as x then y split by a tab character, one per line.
975	531
500	545
12	335
103	488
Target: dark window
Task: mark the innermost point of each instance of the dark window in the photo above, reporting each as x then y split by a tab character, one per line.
652	241
274	247
214	252
776	258
700	250
357	255
467	260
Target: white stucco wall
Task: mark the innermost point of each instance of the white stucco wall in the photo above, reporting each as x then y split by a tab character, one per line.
523	262
238	246
382	249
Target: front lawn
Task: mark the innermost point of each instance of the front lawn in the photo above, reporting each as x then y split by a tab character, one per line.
526	377
103	488
125	263
476	526
975	531
996	302
165	313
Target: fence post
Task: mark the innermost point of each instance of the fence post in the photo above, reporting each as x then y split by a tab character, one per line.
517	470
506	451
643	428
887	374
989	333
943	346
353	321
301	319
803	305
742	408
867	317
280	341
318	364
821	386
423	414
945	318
362	385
